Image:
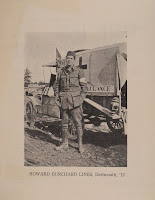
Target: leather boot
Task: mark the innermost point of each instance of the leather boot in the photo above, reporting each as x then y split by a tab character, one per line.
64	145
80	134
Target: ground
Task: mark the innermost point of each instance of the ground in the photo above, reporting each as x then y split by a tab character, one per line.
102	148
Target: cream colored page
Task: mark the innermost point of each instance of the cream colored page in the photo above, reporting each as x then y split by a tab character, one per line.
18	17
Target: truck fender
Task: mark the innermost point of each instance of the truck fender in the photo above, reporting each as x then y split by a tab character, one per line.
34	101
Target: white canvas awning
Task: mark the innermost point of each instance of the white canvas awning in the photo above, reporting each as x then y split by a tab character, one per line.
51	64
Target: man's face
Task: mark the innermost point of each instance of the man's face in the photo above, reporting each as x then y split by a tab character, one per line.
70	60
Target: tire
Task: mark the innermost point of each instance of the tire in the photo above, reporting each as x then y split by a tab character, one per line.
72	133
30	114
115	125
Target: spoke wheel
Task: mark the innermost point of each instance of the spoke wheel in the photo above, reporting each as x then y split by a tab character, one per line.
71	130
72	133
30	114
115	125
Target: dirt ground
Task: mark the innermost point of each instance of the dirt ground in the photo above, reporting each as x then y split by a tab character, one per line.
102	148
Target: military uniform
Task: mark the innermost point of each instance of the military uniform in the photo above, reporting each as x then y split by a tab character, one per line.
71	90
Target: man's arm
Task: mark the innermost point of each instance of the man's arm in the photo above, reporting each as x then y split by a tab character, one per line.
83	84
56	91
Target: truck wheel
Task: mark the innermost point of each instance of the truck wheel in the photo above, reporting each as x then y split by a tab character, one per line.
30	114
115	125
71	130
72	134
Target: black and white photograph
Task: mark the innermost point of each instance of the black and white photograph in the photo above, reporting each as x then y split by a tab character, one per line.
75	99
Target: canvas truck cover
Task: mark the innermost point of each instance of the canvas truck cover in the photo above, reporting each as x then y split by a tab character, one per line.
105	68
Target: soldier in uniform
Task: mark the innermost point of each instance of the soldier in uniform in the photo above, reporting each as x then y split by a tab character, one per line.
71	90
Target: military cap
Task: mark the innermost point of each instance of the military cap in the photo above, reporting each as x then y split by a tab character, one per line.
71	53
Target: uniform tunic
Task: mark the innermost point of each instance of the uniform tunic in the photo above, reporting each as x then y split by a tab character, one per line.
71	90
71	87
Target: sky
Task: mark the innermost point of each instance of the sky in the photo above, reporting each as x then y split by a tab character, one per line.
40	47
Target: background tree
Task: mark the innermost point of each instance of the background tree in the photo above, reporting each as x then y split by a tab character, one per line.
27	77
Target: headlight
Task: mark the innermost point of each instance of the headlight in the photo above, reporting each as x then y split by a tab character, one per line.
115	105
